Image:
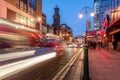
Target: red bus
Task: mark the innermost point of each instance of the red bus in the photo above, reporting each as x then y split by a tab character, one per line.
13	35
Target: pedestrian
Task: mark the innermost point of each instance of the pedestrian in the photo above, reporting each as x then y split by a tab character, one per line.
94	45
99	44
114	43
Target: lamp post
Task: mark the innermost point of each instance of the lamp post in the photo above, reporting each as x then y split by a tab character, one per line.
85	61
85	11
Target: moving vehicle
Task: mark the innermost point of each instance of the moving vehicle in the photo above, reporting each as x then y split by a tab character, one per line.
14	35
54	41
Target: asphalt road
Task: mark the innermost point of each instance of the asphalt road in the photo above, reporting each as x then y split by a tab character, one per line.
44	70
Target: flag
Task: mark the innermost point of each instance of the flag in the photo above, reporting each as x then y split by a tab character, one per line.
88	25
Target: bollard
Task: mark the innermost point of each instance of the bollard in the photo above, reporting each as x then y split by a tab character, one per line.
85	64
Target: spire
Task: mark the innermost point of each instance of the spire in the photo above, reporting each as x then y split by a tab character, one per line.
56	9
56	6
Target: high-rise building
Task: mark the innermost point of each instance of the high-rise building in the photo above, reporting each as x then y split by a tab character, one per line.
100	7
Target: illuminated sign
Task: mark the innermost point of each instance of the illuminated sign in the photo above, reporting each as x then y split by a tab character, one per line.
105	23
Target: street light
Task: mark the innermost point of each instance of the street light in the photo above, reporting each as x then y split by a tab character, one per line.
85	10
85	61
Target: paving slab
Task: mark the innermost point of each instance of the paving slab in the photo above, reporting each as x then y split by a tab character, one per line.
104	64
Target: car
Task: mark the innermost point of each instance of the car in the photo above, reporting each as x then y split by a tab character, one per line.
79	45
70	45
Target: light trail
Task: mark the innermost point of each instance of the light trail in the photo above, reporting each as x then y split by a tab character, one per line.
10	69
14	55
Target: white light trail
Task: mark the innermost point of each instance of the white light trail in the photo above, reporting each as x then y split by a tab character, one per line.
14	55
10	69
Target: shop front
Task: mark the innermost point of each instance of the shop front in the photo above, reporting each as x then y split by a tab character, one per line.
114	33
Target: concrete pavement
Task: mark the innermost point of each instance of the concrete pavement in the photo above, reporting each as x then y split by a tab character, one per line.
104	64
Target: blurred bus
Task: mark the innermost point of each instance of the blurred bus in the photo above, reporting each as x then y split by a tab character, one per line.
54	41
14	35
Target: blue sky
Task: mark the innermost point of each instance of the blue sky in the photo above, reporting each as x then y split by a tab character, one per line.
69	11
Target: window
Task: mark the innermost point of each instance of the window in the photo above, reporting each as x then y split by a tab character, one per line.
22	5
32	7
22	19
11	15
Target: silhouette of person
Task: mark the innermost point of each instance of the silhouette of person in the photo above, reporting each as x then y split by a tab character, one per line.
114	43
94	45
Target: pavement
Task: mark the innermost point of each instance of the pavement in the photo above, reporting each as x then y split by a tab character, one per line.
104	64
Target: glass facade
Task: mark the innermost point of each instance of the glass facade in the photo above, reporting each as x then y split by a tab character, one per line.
97	11
100	6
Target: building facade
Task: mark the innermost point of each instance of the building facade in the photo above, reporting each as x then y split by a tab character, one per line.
109	21
66	33
113	26
25	12
46	28
100	6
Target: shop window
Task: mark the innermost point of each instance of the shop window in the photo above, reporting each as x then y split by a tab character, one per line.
32	23
44	29
22	19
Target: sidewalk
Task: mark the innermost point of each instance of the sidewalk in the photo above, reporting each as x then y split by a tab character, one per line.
104	64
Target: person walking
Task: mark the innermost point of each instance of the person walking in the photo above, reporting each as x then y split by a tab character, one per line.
99	44
94	45
114	43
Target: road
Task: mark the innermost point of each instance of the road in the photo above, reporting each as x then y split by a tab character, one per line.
35	65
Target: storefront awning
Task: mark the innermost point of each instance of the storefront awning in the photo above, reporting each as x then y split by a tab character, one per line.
114	23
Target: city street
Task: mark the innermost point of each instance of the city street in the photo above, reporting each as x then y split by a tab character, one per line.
35	65
59	40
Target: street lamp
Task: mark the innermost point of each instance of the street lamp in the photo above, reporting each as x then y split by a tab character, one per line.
85	10
85	61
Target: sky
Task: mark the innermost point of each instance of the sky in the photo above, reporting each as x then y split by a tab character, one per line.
69	12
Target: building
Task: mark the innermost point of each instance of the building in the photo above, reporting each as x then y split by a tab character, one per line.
100	7
25	12
91	36
61	29
111	23
66	32
56	21
46	28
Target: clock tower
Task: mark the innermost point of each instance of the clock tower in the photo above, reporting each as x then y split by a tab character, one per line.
56	21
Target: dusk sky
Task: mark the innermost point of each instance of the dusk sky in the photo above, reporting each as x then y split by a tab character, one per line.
69	11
